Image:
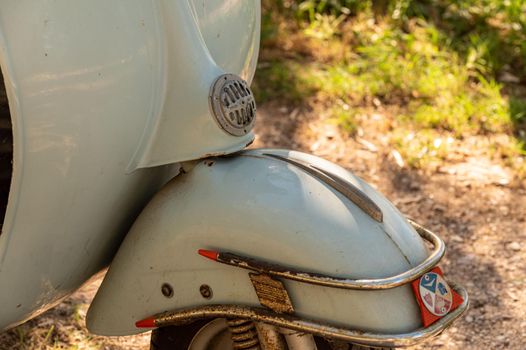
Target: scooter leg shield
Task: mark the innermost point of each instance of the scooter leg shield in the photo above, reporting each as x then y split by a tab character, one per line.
294	217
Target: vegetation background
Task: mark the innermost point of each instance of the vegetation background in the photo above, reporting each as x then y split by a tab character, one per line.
441	71
426	100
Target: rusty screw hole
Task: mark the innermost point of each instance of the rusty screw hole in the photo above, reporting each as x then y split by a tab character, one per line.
206	291
167	290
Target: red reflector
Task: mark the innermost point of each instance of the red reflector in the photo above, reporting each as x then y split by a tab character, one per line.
146	323
434	296
208	254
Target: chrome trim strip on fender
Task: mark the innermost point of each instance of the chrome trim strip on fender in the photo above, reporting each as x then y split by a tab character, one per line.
310	326
353	193
274	269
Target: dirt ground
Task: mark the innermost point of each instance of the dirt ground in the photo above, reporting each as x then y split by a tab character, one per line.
473	203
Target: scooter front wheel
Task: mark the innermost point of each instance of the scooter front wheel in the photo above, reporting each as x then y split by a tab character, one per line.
216	335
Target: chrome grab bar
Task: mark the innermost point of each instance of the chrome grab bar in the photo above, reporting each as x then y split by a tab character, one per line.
322	329
339	282
258	314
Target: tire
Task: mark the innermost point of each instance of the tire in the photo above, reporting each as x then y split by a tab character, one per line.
216	335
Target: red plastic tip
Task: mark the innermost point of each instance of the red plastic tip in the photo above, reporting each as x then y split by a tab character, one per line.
210	254
146	323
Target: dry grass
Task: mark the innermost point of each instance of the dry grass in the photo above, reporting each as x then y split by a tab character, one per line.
63	328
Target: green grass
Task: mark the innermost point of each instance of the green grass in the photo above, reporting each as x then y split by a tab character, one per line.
281	80
518	112
437	61
422	147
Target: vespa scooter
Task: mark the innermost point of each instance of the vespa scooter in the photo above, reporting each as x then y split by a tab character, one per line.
123	125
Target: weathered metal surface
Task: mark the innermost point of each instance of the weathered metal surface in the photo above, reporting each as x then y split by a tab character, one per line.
344	187
314	327
275	269
271	293
259	207
135	97
269	337
298	340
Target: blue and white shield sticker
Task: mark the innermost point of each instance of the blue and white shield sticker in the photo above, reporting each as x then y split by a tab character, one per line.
435	293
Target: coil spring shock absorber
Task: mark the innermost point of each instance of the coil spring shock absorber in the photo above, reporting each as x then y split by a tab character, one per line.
244	334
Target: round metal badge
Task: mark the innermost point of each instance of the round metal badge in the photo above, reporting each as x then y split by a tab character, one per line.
232	104
435	294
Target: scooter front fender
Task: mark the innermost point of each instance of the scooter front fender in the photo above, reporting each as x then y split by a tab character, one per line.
262	204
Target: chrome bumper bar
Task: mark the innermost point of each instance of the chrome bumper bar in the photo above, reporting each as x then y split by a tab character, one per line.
314	327
321	329
337	282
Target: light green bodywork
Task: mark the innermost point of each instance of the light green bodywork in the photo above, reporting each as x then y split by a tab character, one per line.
263	208
106	97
